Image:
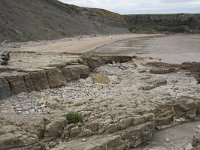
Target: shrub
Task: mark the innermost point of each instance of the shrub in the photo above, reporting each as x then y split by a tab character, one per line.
74	117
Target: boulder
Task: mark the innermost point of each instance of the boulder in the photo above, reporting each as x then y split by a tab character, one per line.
55	78
153	84
56	127
39	80
93	61
73	72
185	107
162	70
100	79
17	84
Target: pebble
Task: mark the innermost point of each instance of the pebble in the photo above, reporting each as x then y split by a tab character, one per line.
198	126
188	147
84	140
167	140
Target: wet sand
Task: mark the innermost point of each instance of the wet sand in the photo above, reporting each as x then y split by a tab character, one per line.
170	49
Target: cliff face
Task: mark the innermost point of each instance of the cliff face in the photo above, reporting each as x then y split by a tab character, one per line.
24	20
170	23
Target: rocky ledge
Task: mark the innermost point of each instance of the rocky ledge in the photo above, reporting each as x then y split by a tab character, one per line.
116	106
22	77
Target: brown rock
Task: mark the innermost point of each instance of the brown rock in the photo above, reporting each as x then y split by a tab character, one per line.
17	84
106	142
74	132
185	107
85	133
73	72
93	61
101	79
93	126
56	127
55	78
12	137
39	80
164	115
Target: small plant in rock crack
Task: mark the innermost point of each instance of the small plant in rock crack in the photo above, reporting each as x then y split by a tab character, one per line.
74	117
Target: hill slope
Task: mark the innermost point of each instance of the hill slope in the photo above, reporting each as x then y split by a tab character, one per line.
24	20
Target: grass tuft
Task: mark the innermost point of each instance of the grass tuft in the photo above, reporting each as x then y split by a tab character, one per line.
74	117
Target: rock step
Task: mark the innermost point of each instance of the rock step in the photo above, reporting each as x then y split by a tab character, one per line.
102	142
53	76
125	139
39	80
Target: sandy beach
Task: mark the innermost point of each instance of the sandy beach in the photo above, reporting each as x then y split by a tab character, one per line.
77	45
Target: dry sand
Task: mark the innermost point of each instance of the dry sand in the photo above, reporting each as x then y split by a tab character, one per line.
78	45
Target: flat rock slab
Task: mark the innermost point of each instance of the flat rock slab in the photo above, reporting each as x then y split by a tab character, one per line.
27	62
179	137
107	142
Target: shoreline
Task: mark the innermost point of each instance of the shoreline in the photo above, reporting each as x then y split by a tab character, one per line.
75	45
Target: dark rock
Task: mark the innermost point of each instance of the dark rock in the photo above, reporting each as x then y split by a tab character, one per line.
17	84
164	23
29	83
5	57
162	70
94	61
73	72
196	140
4	88
39	80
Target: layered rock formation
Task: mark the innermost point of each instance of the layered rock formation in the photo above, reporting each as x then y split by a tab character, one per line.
50	76
164	23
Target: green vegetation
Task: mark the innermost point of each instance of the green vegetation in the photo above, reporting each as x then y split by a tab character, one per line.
74	117
78	104
142	27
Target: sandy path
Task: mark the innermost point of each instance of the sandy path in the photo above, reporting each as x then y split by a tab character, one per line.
79	46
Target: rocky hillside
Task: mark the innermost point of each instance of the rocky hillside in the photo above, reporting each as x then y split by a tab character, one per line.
170	23
24	20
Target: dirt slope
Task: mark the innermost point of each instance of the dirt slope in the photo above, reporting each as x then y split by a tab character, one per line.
24	20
